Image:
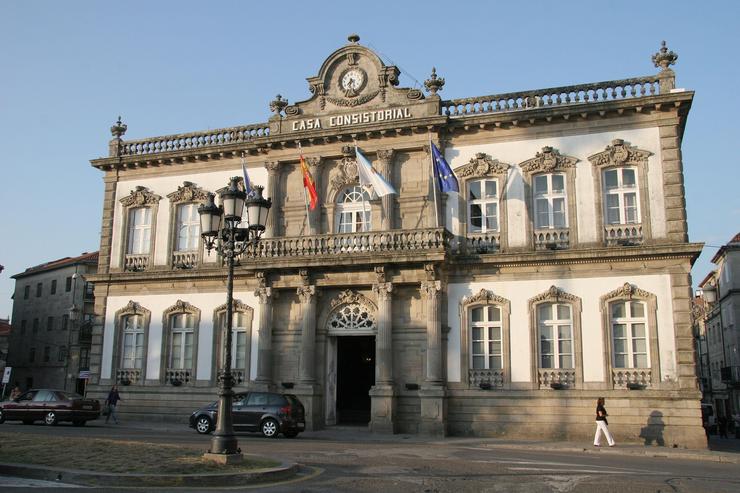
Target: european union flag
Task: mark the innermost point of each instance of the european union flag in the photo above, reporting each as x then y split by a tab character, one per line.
445	177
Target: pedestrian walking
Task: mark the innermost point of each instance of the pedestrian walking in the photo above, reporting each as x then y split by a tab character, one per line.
601	424
111	403
16	392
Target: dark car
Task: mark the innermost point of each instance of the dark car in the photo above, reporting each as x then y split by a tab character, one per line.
266	412
51	406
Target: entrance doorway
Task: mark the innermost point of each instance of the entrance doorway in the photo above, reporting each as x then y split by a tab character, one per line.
355	378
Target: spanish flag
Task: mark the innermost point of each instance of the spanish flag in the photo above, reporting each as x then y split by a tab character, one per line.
310	185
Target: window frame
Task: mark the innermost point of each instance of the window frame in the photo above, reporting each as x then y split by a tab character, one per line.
629	292
542	378
553	324
132	308
219	317
484	298
140	197
189	194
355	208
483	203
53	289
179	308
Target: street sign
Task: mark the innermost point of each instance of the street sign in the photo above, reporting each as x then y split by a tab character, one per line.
85	374
6	374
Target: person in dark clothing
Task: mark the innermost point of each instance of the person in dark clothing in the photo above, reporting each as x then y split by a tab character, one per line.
601	424
112	403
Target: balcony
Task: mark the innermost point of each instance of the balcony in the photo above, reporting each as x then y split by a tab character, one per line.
625	378
551	239
184	260
177	376
486	379
483	242
556	378
136	263
623	234
127	376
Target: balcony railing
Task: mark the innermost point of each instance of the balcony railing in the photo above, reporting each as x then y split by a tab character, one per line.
551	239
623	234
556	377
483	242
177	376
127	376
184	260
486	378
554	97
397	241
136	263
626	377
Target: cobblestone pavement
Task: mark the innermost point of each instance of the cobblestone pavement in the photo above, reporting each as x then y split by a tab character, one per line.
351	459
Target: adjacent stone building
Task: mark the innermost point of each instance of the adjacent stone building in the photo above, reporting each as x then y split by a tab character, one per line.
558	274
53	307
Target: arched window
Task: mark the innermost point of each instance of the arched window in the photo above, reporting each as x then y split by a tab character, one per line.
631	337
353	210
556	339
352	314
180	353
485	339
131	331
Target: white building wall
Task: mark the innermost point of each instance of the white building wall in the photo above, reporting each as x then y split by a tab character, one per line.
157	304
163	186
579	146
590	290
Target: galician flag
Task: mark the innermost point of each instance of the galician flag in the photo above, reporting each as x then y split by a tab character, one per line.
368	176
310	185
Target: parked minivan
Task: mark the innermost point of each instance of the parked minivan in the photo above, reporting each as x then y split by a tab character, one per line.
266	412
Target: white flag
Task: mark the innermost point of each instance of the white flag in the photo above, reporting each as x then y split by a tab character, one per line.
368	176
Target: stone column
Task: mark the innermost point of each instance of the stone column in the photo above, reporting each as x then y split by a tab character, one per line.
382	395
433	392
307	390
314	165
273	185
385	159
263	380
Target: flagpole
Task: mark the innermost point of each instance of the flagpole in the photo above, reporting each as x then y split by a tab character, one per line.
434	181
305	197
363	195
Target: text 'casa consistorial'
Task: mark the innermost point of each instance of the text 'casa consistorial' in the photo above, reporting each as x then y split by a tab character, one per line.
352	119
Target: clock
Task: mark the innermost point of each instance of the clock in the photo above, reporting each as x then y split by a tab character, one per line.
352	81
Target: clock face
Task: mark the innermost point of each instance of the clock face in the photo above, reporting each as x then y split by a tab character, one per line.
352	81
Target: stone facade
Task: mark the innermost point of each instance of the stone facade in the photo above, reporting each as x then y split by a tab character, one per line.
496	311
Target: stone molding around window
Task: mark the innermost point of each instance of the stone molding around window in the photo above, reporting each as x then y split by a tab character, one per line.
622	154
620	377
543	378
485	297
362	306
188	193
241	375
483	166
131	375
186	376
550	161
139	197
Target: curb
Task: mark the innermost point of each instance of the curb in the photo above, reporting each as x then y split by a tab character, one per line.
661	454
286	470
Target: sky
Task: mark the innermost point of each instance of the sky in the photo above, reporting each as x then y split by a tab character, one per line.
68	69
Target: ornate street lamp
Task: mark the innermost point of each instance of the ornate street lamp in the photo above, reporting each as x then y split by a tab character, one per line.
230	241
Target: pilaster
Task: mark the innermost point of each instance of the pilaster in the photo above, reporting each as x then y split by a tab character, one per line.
263	380
273	184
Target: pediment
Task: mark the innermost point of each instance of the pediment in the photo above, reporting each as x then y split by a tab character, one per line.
482	165
356	87
548	160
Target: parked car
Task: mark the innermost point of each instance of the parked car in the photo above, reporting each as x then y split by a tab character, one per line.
51	406
266	412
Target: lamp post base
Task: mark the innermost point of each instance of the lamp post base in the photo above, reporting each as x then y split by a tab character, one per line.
224	459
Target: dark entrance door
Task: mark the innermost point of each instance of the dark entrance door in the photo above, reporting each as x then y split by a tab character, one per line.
355	377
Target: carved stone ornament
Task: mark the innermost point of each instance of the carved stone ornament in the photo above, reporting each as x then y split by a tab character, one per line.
554	294
430	289
278	104
264	294
430	272
132	308
379	273
119	128
628	291
292	110
548	160
434	83
383	290
483	296
305	293
347	172
140	196
350	103
620	153
182	307
349	297
188	192
236	306
482	165
272	167
664	58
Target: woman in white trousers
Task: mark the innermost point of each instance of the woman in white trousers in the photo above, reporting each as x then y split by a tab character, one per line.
601	424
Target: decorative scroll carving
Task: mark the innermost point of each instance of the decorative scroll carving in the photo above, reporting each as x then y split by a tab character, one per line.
188	192
430	272
305	293
314	162
620	153
385	155
548	160
554	295
482	165
305	277
264	294
414	95
272	167
383	290
236	306
628	291
347	170
140	196
350	103
292	110
182	307
483	296
430	289
352	58
132	308
380	273
348	297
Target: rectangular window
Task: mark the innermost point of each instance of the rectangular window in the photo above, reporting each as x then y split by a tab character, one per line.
32	355
62	354
132	355
47	354
188	228
239	341
39	289
84	358
26	292
486	343
50	323
65	321
139	230
23	326
555	326
68	284
181	349
629	335
483	201
550	201
53	286
35	325
621	196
